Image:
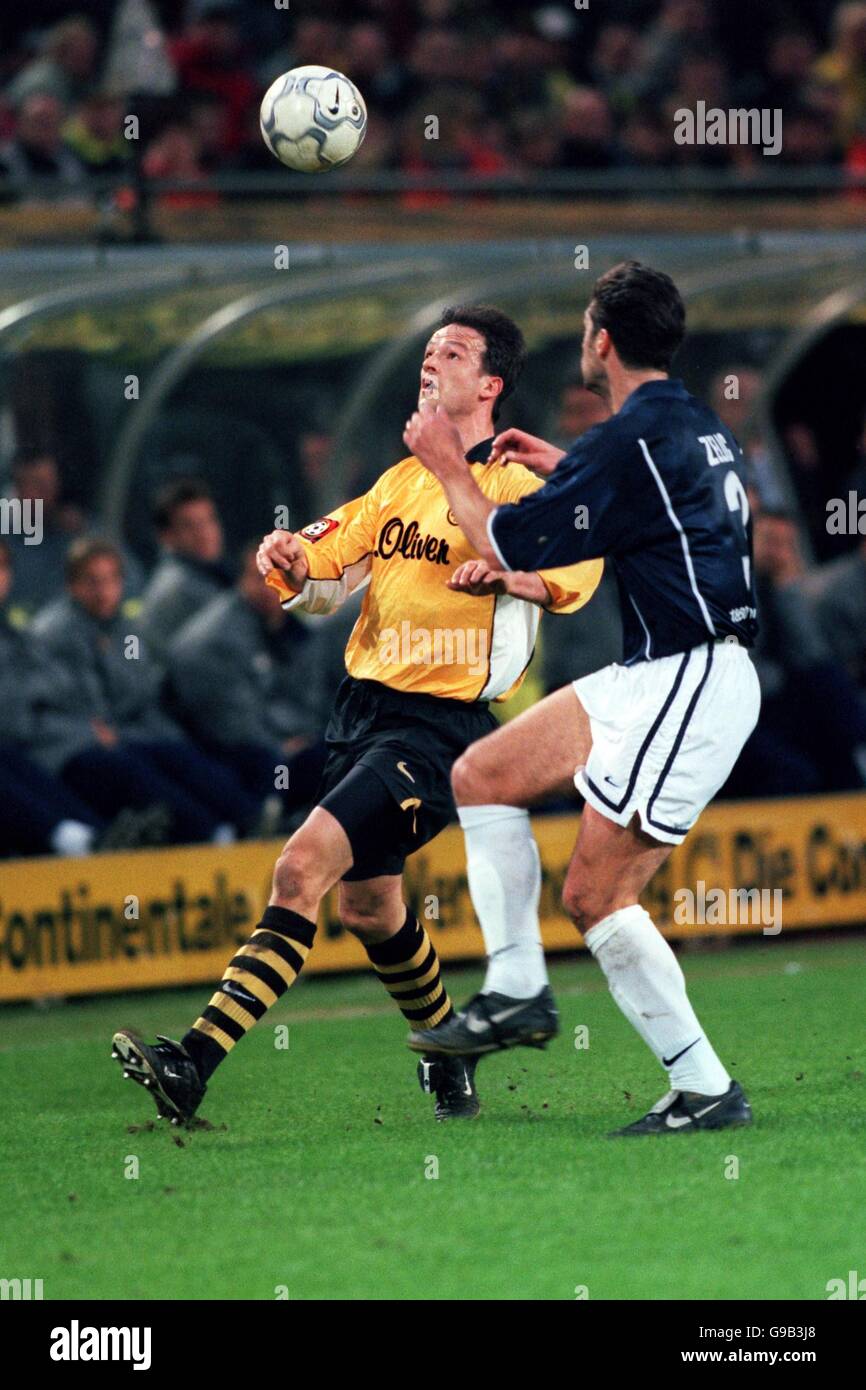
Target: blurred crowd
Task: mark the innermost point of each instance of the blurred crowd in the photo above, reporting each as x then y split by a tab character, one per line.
178	702
180	706
516	89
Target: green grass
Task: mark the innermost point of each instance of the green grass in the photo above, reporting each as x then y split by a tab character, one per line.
317	1179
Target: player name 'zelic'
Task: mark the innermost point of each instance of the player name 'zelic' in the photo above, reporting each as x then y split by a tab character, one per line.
395	537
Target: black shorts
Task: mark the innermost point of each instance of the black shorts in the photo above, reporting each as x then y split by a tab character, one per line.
407	744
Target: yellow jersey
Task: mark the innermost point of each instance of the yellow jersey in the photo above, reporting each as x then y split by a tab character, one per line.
401	542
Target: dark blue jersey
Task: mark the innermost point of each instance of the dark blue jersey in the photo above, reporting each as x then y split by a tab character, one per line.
659	491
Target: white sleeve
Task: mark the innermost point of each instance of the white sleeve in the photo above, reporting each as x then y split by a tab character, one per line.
327	595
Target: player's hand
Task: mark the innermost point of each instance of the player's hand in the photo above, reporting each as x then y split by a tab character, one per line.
476	577
434	439
282	550
516	446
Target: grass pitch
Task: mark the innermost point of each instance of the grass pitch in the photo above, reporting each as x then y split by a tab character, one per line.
314	1181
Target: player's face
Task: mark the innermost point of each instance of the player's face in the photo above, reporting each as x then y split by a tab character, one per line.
592	368
451	370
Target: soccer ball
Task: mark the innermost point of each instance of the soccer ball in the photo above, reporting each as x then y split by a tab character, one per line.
313	119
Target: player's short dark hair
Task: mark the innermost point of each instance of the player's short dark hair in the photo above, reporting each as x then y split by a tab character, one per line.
177	494
505	350
85	549
643	312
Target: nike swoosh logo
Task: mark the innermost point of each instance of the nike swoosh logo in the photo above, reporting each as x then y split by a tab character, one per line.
707	1108
506	1013
612	783
401	767
476	1025
669	1061
677	1121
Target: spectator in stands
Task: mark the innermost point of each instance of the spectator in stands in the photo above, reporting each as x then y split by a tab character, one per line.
176	153
735	394
837	592
613	62
315	40
647	138
66	68
245	676
383	81
809	139
811	734
437	63
207	120
538	143
38	814
38	150
39	568
702	76
790	58
679	27
841	72
211	59
134	754
587	131
520	79
192	569
95	135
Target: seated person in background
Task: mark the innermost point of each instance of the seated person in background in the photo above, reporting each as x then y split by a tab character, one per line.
39	567
134	754
837	593
811	734
244	675
37	152
192	569
38	814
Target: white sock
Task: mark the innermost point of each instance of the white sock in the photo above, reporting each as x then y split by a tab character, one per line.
504	872
647	983
72	838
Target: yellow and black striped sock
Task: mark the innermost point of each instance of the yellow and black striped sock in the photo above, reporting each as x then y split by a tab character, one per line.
254	979
408	966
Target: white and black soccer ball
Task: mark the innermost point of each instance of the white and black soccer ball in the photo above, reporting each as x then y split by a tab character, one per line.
313	119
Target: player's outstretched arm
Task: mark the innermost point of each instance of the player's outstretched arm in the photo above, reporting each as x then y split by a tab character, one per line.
516	446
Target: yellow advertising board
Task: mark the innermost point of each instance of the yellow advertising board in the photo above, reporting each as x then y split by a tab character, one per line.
162	917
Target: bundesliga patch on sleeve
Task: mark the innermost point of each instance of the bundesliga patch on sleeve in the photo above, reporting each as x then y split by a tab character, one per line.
317	529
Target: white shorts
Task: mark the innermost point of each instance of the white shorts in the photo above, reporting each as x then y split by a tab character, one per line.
666	734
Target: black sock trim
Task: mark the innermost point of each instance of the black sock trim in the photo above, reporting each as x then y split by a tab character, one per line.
285	922
399	947
404	977
205	1052
280	945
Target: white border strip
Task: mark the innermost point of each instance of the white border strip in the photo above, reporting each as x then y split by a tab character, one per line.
686	552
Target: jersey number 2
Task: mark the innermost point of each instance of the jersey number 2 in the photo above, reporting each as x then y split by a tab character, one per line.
738	501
